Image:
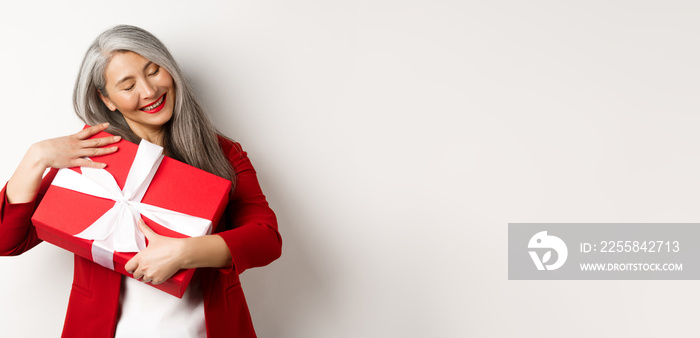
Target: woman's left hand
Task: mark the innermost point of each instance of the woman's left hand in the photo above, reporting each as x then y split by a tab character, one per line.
161	259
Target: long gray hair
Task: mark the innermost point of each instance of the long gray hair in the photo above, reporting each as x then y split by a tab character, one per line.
189	135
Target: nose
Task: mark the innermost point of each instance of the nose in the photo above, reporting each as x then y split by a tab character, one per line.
148	90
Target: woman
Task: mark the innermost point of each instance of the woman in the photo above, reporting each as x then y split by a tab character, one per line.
130	86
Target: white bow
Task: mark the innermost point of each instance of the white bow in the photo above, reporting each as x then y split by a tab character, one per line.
117	229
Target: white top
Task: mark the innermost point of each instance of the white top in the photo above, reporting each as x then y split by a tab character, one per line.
149	312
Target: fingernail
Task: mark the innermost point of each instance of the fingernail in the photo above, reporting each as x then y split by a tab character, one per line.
106	124
115	148
117	138
103	165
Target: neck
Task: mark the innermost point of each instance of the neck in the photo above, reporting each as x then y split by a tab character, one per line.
153	135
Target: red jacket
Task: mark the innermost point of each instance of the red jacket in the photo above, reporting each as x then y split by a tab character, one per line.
248	226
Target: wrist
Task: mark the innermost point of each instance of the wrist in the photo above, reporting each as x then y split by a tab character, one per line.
25	181
33	158
208	251
184	257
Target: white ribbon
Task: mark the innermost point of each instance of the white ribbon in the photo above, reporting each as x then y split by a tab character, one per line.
117	229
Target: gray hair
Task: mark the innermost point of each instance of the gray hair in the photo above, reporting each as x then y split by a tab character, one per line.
189	135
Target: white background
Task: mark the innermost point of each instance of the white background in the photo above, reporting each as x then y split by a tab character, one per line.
396	140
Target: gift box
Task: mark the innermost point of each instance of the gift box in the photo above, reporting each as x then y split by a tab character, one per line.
93	212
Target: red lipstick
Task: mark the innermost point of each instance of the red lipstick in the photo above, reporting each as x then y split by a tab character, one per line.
156	109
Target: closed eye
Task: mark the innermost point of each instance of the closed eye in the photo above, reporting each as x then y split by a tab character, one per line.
155	72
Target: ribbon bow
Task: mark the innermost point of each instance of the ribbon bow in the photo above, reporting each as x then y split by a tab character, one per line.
117	229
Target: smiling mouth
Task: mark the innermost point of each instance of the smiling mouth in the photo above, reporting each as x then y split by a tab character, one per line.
155	106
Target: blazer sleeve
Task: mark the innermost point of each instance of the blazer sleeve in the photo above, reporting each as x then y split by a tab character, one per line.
251	231
17	234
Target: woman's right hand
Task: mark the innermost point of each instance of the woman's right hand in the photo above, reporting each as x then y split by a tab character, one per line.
70	151
62	152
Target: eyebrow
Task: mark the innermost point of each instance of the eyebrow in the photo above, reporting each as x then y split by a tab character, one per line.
131	77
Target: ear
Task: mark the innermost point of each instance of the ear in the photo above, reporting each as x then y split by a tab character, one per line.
107	101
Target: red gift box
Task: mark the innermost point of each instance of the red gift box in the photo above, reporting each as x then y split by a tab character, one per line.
64	213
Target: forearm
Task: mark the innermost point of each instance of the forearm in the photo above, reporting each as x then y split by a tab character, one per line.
205	252
62	152
16	233
24	184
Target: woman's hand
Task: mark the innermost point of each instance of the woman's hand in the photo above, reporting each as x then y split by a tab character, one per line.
69	151
161	259
62	152
164	256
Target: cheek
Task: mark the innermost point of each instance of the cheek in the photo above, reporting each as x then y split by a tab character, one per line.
126	102
167	80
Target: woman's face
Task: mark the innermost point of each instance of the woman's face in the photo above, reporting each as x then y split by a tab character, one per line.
140	90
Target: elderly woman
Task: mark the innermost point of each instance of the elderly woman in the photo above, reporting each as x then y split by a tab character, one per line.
130	86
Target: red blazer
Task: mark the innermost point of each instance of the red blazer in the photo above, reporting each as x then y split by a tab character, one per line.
248	226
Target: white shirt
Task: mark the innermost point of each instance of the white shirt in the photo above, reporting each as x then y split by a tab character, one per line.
149	312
